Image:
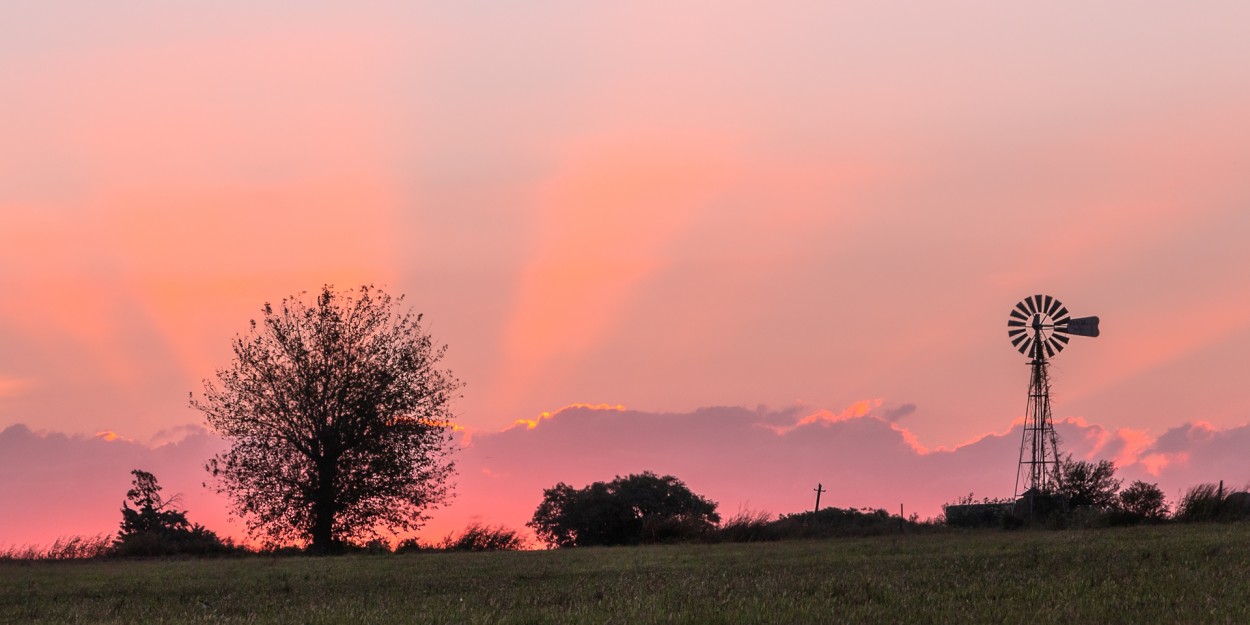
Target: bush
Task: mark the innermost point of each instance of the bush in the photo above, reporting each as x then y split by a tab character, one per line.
1141	502
1089	485
196	541
376	546
626	511
837	522
411	545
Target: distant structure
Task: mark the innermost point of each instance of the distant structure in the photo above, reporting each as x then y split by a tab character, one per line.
1039	328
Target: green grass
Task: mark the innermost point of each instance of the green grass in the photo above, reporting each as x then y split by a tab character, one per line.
1173	574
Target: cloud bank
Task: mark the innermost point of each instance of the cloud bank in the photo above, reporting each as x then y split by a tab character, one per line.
762	459
754	459
54	484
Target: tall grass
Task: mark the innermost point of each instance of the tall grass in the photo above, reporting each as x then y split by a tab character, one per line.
1190	574
474	537
63	548
1209	502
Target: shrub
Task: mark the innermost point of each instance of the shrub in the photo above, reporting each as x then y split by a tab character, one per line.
410	545
626	511
834	522
1089	485
1141	502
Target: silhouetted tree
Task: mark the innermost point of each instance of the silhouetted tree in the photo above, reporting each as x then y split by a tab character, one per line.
338	417
152	513
154	527
1143	502
1090	485
627	510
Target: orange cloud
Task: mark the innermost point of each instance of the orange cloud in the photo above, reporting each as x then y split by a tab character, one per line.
1156	463
856	410
110	436
1134	442
530	424
911	439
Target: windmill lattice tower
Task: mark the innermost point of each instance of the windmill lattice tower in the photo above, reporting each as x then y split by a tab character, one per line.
1039	328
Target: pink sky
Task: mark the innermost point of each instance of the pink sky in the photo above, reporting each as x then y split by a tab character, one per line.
706	214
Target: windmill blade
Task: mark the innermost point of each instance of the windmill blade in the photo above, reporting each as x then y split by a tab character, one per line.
1015	341
1054	306
1084	326
1037	303
1062	315
1055	345
1061	338
1015	312
1050	351
1024	312
1014	323
1026	346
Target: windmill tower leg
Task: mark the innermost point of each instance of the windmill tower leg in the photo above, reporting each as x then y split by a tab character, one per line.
1038	471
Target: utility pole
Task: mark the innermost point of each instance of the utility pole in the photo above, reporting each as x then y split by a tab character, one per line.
819	489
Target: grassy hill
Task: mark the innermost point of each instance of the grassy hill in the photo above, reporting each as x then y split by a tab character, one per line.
1179	573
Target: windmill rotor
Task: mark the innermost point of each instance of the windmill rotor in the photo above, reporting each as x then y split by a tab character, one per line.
1038	325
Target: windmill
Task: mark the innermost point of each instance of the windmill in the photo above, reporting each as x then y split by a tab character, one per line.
1039	328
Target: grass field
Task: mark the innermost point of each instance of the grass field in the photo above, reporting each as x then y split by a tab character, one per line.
1172	574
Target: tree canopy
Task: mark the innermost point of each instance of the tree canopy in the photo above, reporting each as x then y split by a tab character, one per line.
1090	485
1143	501
338	417
152	513
627	510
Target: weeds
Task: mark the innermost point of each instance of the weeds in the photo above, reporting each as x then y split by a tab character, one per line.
63	548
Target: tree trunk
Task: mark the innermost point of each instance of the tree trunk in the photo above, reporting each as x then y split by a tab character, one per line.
323	506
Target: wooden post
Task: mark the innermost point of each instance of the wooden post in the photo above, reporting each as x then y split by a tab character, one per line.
819	489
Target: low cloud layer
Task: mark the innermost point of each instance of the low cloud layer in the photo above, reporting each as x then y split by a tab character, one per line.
56	485
771	460
753	459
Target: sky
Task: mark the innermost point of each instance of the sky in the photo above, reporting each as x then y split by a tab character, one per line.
760	248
